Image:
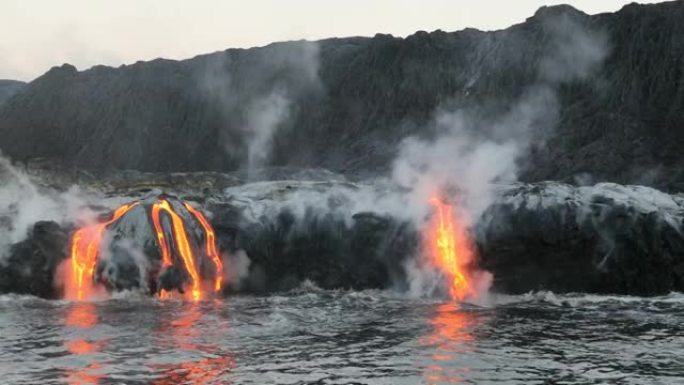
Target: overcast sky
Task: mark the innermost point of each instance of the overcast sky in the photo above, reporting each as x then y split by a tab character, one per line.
38	34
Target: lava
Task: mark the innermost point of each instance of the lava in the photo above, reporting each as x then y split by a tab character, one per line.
183	247
176	244
85	246
210	245
159	232
451	250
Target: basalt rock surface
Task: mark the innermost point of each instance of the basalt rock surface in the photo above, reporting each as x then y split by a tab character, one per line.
30	266
8	88
606	238
295	231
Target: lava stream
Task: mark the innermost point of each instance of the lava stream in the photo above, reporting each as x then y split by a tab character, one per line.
451	250
182	245
85	246
159	232
176	242
210	245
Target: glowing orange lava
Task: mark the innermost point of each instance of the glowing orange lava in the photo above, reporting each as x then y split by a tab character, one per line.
182	244
159	232
451	249
210	245
176	245
85	246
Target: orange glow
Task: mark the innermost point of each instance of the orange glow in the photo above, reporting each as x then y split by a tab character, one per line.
163	294
210	245
84	316
85	247
451	250
183	334
176	247
159	232
205	371
182	245
450	338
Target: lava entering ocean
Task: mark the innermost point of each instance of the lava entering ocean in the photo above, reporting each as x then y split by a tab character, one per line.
451	250
176	230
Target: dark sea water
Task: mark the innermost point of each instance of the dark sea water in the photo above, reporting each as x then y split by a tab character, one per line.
330	337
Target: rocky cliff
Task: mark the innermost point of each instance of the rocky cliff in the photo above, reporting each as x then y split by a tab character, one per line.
345	104
606	238
8	88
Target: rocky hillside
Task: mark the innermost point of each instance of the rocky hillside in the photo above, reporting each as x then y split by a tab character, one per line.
8	88
616	81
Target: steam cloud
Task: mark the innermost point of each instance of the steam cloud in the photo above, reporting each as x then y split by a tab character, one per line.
260	102
471	153
22	204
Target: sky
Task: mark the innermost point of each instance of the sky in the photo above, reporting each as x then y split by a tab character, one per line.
39	34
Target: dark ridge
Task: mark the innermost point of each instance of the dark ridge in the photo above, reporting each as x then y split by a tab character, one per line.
8	88
622	124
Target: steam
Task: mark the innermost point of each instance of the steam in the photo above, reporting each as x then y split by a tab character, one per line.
22	204
264	117
235	268
471	152
258	102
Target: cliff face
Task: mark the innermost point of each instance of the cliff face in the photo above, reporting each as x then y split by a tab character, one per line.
8	88
345	104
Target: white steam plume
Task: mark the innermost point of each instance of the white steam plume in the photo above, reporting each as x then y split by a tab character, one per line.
259	103
22	204
472	152
264	117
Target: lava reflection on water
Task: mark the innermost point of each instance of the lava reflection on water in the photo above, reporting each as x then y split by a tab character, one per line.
83	315
184	334
450	337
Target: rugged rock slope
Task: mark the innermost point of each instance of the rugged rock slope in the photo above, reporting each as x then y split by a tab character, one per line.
8	88
344	104
606	238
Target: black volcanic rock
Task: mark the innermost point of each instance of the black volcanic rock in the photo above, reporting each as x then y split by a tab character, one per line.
350	101
320	238
8	88
31	264
606	238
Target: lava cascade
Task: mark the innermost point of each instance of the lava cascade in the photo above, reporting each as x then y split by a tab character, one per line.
451	250
86	246
209	244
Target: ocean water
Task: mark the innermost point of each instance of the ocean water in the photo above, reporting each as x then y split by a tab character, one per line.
312	336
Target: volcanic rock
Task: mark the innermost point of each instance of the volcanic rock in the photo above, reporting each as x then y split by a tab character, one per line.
605	238
8	88
297	231
30	266
350	101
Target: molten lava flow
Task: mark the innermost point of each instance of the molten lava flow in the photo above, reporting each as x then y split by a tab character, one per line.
210	245
182	244
159	232
176	246
85	246
451	250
